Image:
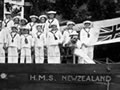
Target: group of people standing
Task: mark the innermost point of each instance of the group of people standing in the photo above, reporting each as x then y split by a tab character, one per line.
32	41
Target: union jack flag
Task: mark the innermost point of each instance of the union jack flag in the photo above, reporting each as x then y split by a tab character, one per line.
108	33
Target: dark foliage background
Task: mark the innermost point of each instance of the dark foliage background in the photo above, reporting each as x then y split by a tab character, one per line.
76	10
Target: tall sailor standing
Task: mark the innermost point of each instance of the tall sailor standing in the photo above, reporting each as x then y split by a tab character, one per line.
39	42
89	35
13	44
43	19
68	31
23	23
2	43
51	20
68	57
8	22
26	43
54	38
32	25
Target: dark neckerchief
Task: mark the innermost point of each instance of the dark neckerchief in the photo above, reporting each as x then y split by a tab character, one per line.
38	34
50	22
88	34
6	22
26	40
54	34
13	36
31	26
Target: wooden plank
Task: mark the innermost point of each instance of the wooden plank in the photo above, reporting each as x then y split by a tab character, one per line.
60	77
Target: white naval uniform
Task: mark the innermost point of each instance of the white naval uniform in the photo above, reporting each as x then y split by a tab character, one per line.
2	42
31	26
39	42
26	42
66	36
8	23
34	31
89	36
13	43
83	57
50	22
53	41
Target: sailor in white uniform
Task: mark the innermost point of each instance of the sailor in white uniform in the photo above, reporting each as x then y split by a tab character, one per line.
23	23
54	38
16	20
76	46
8	22
89	35
42	19
39	42
2	43
32	25
51	20
13	44
26	43
67	32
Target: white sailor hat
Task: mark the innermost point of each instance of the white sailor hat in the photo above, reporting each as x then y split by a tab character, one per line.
16	17
33	16
51	12
53	25
24	19
70	23
74	34
7	13
87	22
42	16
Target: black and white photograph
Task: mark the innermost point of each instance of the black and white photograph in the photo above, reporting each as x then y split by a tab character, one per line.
59	44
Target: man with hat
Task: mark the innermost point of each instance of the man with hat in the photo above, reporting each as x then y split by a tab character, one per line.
76	48
39	43
51	20
69	29
66	38
31	25
23	23
13	44
26	44
89	35
54	38
8	22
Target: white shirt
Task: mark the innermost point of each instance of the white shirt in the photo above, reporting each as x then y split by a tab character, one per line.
8	23
49	22
66	36
31	25
54	38
89	36
34	31
39	39
13	40
30	41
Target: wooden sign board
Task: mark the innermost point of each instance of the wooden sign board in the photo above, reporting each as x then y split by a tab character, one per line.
59	77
